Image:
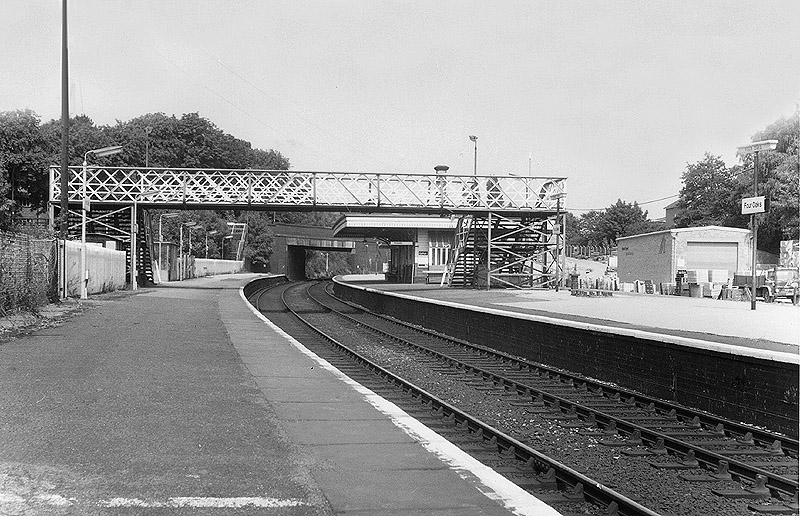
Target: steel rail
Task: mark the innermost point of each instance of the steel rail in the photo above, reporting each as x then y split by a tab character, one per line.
736	467
594	491
735	428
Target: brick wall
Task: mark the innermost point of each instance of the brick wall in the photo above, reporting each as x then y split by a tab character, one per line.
646	257
756	391
658	256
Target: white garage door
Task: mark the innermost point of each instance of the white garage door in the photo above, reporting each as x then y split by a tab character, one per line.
712	255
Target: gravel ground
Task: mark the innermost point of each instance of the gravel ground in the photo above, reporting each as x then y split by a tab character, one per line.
660	490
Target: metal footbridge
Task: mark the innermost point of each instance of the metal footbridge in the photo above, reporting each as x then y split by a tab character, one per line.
537	203
276	190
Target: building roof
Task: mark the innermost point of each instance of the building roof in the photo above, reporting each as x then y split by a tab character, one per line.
673	204
688	230
395	227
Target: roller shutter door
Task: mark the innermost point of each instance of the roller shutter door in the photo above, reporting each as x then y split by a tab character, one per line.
712	255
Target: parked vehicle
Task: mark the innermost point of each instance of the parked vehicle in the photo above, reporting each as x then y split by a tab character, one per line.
782	282
778	282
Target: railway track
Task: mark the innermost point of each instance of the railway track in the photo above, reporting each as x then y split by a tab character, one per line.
732	461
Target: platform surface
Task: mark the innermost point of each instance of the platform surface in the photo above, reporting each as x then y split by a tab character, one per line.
182	400
772	326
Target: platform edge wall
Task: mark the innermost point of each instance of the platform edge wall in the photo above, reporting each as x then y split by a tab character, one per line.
264	282
753	390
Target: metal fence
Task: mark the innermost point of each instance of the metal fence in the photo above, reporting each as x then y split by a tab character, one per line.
28	271
588	251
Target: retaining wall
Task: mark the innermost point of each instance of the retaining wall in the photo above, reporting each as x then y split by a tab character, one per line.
209	267
262	283
106	268
754	390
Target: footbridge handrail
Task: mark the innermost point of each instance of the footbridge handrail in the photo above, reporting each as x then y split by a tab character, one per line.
294	190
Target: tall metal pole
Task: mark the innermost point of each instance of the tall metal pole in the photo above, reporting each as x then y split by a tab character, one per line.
180	254
160	241
489	254
755	233
84	275
558	243
475	169
134	244
64	123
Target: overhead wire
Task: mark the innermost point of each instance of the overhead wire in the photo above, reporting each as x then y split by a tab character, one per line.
294	111
638	203
241	110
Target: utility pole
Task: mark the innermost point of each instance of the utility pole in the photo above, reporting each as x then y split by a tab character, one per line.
64	124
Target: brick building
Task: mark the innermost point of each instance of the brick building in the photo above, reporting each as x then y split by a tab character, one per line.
660	255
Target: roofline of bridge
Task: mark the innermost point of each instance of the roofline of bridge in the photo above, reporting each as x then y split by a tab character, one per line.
327	208
278	171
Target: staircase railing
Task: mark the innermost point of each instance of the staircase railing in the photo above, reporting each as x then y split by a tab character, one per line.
463	229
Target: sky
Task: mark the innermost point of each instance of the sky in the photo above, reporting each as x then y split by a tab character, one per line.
616	96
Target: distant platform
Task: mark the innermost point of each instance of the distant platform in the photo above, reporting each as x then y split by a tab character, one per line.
771	327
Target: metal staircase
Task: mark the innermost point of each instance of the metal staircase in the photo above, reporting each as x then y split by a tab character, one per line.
456	265
108	224
506	252
238	235
144	251
508	233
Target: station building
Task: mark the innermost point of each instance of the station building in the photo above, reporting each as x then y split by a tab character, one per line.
659	256
420	245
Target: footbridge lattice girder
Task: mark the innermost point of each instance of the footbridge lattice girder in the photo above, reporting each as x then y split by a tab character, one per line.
276	190
534	250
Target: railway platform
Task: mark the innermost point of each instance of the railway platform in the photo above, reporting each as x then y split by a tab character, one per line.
713	355
182	399
772	327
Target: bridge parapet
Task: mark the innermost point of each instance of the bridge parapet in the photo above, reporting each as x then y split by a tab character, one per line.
277	190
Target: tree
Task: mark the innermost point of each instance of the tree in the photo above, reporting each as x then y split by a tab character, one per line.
712	193
709	196
23	170
779	180
572	230
258	247
620	219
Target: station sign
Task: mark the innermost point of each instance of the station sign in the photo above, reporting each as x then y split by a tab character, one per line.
763	145
752	205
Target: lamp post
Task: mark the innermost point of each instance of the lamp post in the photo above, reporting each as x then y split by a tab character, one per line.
181	265
171	215
754	149
212	232
147	131
191	228
105	151
226	239
560	243
472	196
474	140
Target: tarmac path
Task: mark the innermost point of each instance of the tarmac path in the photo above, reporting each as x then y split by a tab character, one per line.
142	404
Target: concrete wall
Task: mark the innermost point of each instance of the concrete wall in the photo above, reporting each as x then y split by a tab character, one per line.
740	387
106	268
646	257
209	267
715	234
658	256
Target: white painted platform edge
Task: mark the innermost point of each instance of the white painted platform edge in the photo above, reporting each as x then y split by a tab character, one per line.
719	347
485	479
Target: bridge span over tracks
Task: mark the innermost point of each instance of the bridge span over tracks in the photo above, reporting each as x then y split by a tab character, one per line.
282	190
525	212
